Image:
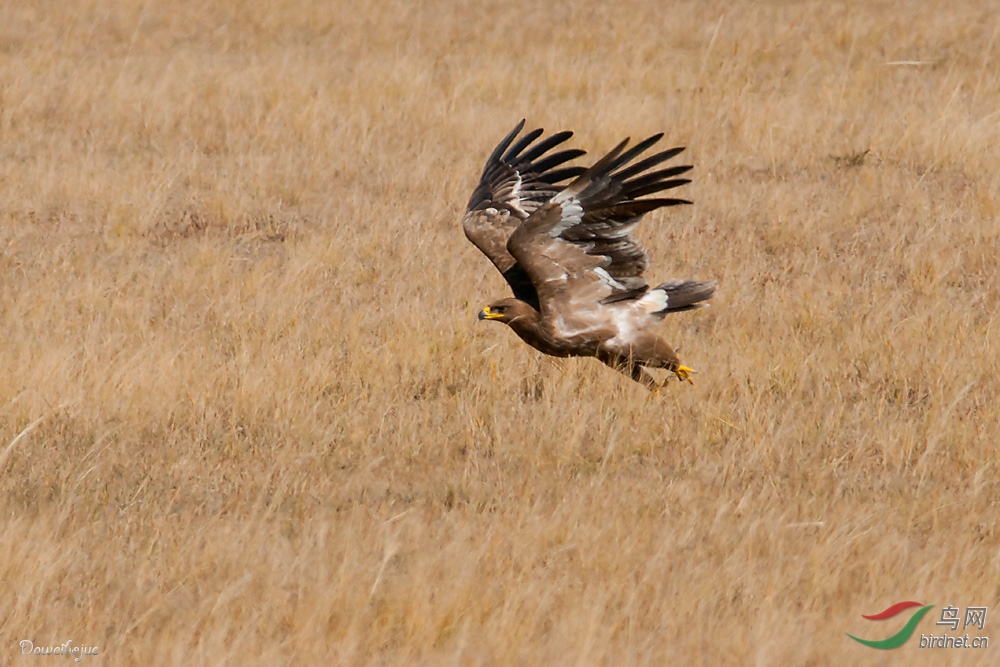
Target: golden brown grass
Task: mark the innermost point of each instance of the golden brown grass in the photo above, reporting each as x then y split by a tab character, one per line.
247	415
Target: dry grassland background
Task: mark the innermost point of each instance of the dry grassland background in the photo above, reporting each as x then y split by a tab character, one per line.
247	414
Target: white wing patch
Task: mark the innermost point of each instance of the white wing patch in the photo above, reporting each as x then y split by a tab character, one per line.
577	326
624	326
515	195
608	280
572	213
654	301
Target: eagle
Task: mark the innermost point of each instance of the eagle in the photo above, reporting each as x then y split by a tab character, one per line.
560	234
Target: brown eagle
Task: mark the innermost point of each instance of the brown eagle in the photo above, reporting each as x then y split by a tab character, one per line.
560	235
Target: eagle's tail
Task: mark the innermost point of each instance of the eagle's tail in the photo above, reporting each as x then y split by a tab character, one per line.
677	295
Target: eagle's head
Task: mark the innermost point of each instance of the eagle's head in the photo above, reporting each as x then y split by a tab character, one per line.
506	311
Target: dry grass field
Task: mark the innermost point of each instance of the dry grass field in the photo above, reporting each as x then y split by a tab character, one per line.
248	416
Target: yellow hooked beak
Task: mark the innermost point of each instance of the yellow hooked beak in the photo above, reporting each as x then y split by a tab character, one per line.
487	314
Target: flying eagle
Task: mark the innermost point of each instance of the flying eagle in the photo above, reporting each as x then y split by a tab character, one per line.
560	235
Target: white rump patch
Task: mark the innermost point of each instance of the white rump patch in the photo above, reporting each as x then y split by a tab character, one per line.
654	301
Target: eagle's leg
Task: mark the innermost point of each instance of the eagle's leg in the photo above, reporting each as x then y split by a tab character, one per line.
636	372
650	350
639	374
630	368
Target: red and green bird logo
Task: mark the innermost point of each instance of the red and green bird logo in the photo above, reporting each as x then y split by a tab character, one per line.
904	634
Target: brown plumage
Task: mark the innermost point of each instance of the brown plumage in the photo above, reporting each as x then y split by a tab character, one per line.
560	235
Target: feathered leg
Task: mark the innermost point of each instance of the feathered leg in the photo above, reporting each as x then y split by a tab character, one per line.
634	371
646	350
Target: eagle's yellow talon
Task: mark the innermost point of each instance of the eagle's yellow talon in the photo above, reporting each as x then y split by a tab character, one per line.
685	373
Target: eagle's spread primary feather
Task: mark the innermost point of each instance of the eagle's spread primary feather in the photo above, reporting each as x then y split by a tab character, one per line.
561	237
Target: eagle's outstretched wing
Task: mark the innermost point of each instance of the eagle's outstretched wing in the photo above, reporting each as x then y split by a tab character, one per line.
516	181
577	249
